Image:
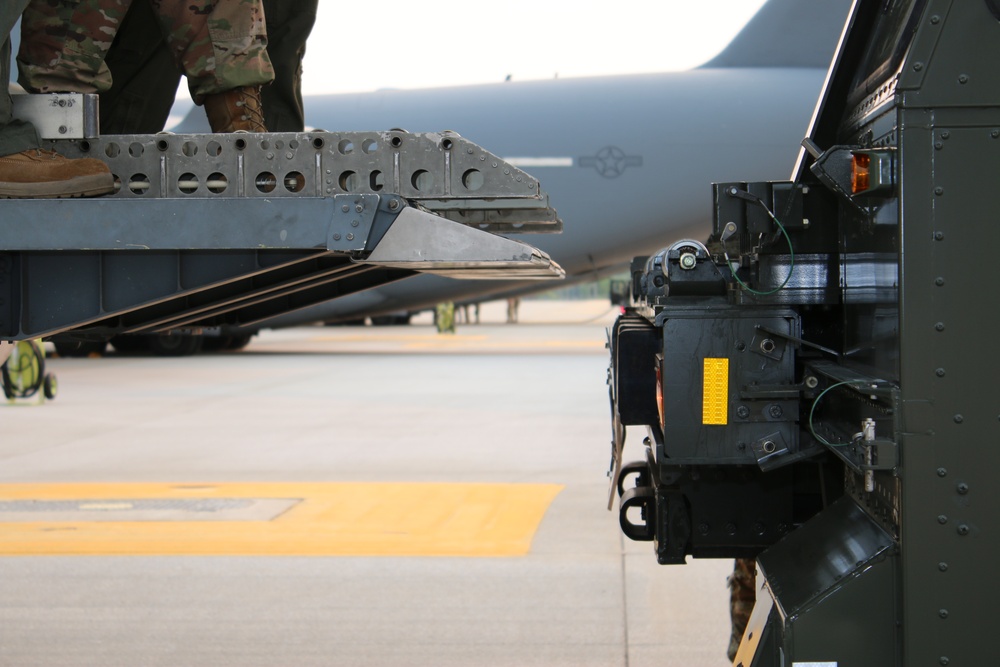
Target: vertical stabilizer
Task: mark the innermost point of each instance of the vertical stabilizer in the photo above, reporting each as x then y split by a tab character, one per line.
787	33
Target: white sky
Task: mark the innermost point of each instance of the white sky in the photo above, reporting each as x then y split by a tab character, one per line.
362	46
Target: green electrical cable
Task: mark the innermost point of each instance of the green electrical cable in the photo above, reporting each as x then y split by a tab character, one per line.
791	252
813	409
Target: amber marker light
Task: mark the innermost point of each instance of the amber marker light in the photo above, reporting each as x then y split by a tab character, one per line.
860	172
659	391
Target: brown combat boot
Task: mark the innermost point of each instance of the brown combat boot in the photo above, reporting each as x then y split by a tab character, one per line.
235	110
39	173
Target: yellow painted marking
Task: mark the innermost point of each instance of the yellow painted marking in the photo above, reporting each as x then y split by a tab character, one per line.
332	519
715	392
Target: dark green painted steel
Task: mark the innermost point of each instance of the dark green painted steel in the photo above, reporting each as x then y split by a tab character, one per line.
949	150
899	323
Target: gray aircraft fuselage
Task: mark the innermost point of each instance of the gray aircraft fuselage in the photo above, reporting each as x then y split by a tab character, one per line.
627	160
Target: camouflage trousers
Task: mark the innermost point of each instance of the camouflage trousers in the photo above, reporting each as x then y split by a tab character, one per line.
742	596
15	135
218	44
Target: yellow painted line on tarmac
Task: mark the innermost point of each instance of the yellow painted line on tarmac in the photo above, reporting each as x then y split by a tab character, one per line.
328	519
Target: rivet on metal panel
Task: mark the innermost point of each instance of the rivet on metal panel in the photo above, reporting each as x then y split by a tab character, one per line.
959	419
939	281
942	519
942	566
943	613
935	19
963	488
995	134
938	145
939	191
939	326
336	237
944	660
942	472
939	372
945	134
350	237
917	67
963	529
963	78
939	236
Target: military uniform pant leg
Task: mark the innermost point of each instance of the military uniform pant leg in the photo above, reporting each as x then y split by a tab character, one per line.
289	23
145	76
63	44
218	44
15	135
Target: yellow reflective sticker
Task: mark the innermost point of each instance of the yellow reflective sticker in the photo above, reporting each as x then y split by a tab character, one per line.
715	392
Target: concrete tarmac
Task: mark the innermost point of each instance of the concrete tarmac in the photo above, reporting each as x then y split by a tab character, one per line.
340	496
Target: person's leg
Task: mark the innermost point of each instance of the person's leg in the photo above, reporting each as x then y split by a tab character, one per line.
289	23
25	169
63	45
15	135
222	49
145	76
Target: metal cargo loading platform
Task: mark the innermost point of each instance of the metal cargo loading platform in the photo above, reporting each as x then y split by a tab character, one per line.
231	229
